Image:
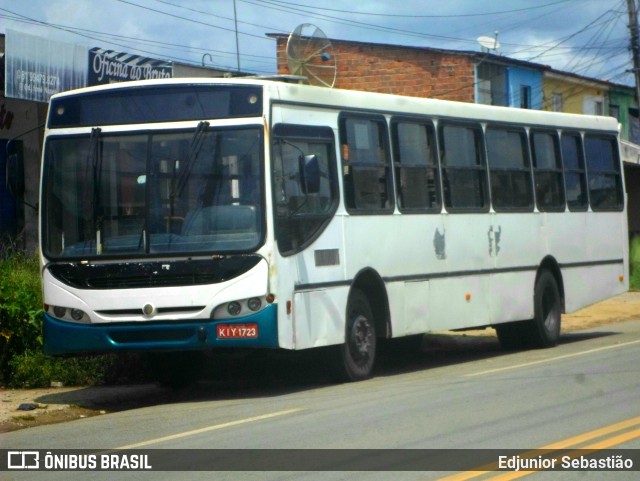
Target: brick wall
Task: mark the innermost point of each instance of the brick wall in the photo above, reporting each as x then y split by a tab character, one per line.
418	72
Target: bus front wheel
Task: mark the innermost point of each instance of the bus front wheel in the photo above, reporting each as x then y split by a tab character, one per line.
358	353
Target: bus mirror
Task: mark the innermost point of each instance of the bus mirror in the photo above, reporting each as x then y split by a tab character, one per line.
14	176
310	174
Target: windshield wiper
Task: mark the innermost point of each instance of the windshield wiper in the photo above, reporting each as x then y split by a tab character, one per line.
194	150
178	186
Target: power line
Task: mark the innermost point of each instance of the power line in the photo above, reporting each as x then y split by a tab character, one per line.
109	36
390	15
97	36
261	37
209	14
599	44
355	23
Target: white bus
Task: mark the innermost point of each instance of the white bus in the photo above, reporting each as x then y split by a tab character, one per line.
192	214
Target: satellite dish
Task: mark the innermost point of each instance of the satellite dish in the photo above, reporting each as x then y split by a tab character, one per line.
489	43
310	54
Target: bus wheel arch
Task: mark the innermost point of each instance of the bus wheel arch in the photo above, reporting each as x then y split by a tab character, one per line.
366	319
369	282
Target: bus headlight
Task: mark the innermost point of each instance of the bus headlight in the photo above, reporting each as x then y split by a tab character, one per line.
68	314
234	308
254	304
241	307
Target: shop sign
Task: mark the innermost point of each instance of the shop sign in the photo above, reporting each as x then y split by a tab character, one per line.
108	66
37	68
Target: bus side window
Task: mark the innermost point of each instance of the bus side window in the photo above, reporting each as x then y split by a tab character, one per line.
574	172
302	213
603	171
416	167
464	175
547	170
366	165
509	169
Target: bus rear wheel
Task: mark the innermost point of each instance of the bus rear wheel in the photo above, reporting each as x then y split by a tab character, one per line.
358	353
544	329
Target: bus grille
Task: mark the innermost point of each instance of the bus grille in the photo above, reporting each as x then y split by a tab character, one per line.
137	275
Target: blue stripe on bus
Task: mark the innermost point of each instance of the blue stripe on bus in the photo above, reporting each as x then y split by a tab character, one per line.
61	337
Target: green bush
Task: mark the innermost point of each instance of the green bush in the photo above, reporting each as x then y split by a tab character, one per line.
634	263
20	308
22	361
35	369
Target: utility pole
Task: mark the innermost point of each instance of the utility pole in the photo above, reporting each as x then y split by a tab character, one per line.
235	19
635	47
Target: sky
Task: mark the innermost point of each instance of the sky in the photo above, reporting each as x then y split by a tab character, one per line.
585	37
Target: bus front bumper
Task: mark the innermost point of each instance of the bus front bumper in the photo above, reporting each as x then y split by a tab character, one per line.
62	337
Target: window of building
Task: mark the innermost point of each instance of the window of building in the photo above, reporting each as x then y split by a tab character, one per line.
547	169
599	108
491	86
614	111
509	169
634	125
557	102
593	105
574	172
603	171
416	166
463	168
366	164
484	92
525	97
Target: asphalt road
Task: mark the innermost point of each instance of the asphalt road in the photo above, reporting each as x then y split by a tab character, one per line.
585	393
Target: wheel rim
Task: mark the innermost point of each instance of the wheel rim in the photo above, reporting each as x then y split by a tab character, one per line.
361	340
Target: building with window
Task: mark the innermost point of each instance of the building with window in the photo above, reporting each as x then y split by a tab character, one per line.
477	77
486	78
32	70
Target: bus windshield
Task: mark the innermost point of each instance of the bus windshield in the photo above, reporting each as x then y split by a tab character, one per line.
153	193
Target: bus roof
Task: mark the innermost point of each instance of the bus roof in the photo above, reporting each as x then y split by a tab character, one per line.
341	99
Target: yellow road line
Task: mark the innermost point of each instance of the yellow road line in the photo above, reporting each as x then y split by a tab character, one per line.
604	444
571	442
215	427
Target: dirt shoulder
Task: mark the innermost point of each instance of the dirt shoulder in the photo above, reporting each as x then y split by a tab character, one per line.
23	408
620	308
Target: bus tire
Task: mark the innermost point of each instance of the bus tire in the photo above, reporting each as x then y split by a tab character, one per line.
544	328
358	353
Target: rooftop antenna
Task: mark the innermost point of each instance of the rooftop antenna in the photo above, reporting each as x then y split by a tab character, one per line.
488	44
310	54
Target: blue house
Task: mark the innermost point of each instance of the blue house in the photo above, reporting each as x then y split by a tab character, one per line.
524	88
509	83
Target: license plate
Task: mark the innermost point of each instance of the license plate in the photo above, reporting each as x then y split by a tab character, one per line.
237	331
